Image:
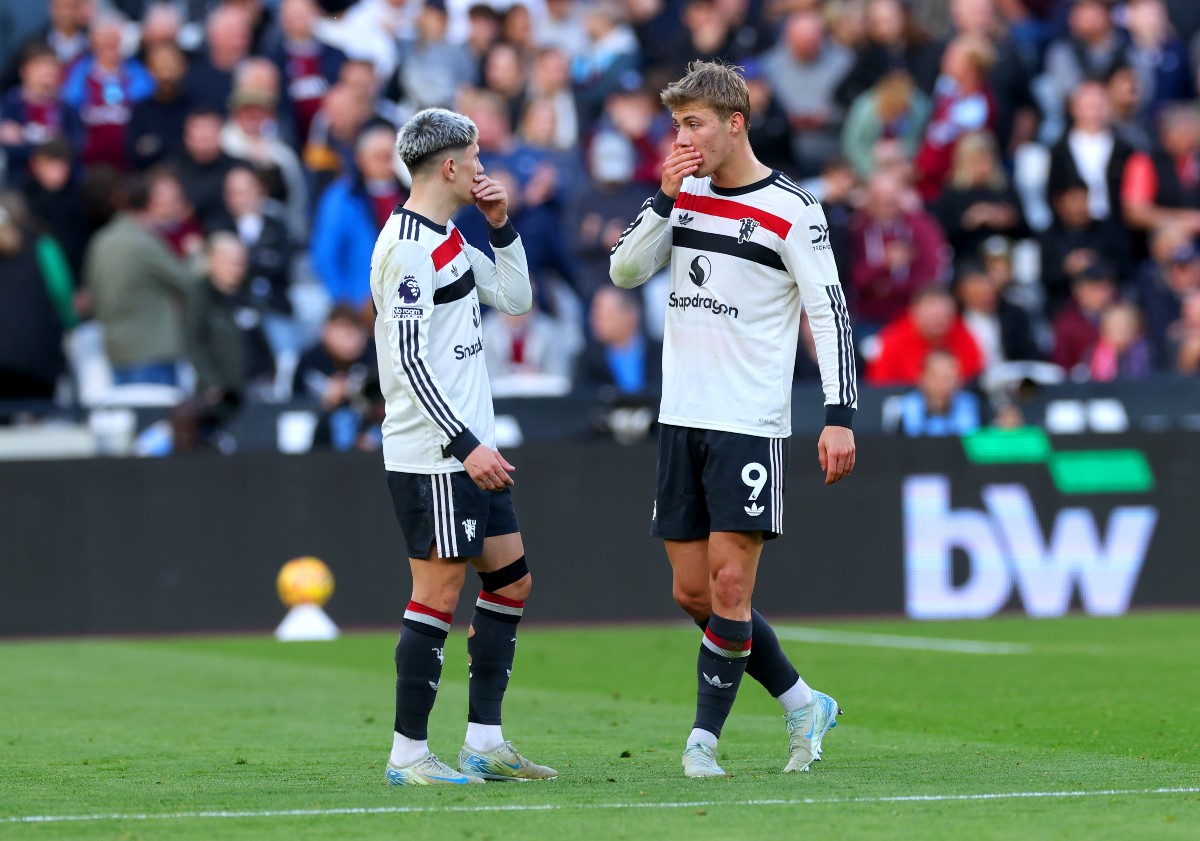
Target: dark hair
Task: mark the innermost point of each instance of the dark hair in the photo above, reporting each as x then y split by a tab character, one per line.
1120	66
629	299
969	268
345	314
259	176
1071	182
136	188
483	10
55	148
35	50
926	292
206	111
836	164
135	192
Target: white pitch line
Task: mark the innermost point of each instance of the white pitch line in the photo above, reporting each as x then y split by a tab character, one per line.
566	807
896	641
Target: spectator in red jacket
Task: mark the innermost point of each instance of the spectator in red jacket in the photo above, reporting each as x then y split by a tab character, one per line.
1077	325
931	323
894	251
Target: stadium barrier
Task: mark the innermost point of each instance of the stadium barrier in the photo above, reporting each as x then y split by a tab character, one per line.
931	528
1161	403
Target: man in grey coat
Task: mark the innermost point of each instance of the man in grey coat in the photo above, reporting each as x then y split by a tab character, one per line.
137	288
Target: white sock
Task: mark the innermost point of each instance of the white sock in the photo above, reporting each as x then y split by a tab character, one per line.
702	737
406	751
484	737
796	697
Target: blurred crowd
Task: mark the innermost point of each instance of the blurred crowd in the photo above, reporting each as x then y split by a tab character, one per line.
192	188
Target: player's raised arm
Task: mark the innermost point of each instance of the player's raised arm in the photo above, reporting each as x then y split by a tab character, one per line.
645	246
808	256
408	275
504	284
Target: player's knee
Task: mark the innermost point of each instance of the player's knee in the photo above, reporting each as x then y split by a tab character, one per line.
442	599
513	581
695	604
520	588
730	587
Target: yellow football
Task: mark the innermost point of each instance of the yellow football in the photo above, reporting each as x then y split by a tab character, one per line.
304	581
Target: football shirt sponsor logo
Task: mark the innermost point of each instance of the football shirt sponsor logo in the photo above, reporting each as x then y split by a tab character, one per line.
700	273
467	351
701	302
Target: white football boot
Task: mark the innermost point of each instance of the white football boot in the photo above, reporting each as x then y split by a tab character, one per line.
701	761
428	770
806	727
502	763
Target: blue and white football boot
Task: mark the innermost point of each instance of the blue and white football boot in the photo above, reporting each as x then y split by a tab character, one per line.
806	727
426	771
502	763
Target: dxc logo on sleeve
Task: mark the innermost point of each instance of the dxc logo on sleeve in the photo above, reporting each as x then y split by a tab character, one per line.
820	240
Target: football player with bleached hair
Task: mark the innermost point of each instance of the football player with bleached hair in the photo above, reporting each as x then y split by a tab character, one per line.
450	486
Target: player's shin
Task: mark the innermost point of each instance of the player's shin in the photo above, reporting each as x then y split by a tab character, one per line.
491	648
419	657
724	651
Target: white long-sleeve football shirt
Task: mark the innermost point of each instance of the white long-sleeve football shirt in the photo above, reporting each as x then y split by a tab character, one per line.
427	284
743	261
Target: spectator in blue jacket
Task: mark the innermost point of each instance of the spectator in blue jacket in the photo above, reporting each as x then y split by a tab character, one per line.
103	87
349	216
939	407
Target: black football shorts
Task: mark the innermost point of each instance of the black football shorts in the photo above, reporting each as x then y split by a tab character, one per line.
451	511
718	481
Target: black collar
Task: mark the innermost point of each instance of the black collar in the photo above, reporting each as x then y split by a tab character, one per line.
427	222
749	188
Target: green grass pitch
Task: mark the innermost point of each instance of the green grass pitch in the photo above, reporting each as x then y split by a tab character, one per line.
172	728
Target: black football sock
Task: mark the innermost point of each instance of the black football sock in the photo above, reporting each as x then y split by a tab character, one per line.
419	656
724	650
767	663
491	647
